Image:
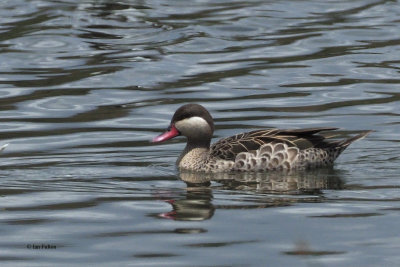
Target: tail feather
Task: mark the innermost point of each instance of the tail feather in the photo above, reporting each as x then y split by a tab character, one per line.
347	142
340	146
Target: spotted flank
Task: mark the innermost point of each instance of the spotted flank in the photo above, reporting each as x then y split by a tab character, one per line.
260	150
274	156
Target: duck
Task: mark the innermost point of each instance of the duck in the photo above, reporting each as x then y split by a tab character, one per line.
269	149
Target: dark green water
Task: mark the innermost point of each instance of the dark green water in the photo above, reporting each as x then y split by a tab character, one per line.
84	86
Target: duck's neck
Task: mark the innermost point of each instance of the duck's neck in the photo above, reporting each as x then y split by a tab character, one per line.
194	153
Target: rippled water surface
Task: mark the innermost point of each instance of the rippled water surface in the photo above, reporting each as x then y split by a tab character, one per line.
85	84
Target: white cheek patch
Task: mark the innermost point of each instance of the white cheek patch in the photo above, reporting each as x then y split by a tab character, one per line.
192	126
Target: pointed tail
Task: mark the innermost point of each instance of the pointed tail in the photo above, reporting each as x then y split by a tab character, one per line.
345	143
340	146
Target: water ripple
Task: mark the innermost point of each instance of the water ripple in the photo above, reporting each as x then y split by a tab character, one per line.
85	85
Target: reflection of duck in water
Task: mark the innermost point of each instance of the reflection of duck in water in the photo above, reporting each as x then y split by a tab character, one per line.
292	182
196	206
259	150
278	190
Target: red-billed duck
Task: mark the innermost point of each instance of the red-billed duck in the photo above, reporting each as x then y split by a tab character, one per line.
259	150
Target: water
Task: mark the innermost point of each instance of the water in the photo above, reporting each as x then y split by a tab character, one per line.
84	85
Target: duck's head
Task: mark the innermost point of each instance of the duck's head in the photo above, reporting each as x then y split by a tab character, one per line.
192	121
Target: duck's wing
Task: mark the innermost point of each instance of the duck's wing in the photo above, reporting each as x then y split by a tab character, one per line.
229	147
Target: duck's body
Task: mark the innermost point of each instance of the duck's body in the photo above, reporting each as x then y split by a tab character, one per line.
260	150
